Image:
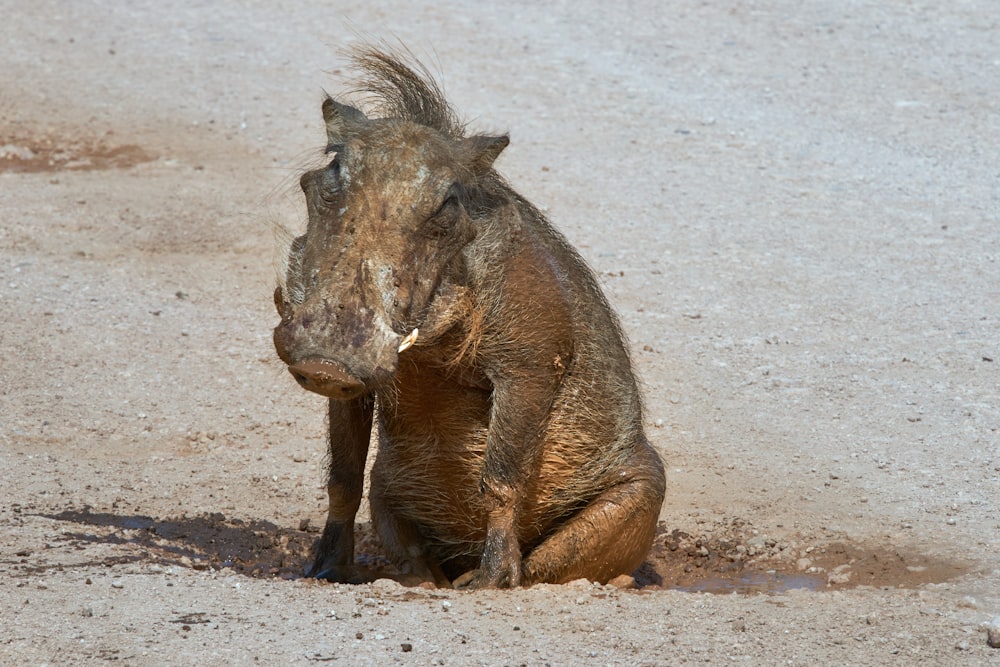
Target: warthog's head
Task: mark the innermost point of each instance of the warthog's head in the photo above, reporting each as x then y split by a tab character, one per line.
388	219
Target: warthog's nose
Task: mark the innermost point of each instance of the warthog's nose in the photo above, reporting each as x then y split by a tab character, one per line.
327	378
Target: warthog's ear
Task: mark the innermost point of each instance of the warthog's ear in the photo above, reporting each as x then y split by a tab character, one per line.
339	119
482	151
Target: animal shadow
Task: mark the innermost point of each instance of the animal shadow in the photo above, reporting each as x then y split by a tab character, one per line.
255	548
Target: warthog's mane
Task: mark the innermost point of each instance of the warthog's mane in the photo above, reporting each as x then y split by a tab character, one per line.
397	90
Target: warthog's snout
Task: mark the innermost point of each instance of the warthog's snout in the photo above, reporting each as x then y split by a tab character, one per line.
327	378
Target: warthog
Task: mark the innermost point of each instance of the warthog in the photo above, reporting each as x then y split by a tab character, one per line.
427	292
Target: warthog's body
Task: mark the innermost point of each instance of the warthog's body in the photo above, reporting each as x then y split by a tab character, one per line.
510	425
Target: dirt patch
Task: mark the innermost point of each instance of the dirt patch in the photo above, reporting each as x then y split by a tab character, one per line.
25	153
730	557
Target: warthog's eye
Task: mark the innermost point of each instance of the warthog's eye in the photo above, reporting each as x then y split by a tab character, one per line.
449	211
331	188
334	166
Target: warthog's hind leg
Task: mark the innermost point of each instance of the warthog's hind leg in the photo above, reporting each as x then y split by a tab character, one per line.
608	537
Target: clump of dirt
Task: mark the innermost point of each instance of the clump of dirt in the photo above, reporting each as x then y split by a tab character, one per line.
24	153
729	556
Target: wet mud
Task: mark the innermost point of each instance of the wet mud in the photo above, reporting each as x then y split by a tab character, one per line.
34	154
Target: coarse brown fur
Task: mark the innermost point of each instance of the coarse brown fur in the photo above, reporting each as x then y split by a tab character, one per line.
511	448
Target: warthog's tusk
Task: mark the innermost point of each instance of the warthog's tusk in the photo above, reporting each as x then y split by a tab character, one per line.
410	339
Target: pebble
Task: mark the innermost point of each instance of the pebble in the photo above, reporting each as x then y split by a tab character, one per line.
993	633
15	152
622	582
385	586
117	583
839	575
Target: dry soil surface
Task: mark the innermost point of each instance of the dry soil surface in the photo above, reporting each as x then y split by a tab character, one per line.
794	207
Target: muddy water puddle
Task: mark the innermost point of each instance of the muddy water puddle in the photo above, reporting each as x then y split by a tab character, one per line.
757	582
732	557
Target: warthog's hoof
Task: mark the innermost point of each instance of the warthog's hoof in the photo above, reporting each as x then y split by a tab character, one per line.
343	575
466	580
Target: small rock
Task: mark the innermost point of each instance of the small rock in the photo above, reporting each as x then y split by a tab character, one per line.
15	152
304	524
803	564
406	647
622	582
117	583
385	586
993	633
839	575
446	605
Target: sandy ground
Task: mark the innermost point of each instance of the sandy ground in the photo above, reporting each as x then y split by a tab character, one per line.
794	206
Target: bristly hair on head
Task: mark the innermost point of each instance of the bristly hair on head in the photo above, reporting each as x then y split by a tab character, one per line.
400	91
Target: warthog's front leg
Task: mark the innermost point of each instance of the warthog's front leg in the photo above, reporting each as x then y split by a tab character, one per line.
521	406
350	431
526	371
